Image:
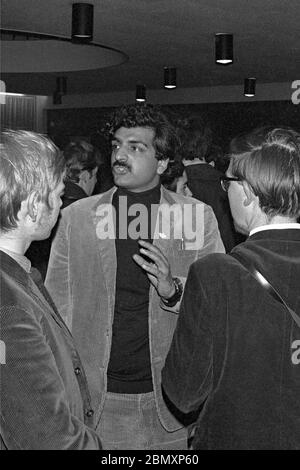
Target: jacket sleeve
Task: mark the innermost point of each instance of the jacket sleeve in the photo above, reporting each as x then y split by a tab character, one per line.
187	375
35	410
57	279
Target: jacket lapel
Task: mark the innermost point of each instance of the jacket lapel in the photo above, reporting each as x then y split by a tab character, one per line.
168	228
104	225
45	299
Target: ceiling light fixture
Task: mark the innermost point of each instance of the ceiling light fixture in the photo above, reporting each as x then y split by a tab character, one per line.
140	94
170	77
82	22
224	48
249	87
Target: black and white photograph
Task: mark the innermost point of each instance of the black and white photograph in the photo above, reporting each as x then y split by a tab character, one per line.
150	228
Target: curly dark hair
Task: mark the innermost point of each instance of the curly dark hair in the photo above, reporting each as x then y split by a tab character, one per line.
145	115
170	176
196	139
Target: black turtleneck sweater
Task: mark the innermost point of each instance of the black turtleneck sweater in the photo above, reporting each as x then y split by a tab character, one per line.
129	369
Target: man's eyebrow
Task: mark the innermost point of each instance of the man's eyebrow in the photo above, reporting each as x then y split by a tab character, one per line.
131	141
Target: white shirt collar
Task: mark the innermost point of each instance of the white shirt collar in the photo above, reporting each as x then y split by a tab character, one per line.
196	161
274	227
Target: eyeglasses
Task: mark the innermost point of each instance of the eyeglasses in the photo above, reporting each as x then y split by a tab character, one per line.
225	182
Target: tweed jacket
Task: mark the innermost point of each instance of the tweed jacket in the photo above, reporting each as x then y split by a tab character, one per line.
81	279
239	349
44	399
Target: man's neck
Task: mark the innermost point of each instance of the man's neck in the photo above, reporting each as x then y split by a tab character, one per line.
155	189
14	244
277	220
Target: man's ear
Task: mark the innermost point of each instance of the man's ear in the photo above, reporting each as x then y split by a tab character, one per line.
162	166
85	175
33	202
250	196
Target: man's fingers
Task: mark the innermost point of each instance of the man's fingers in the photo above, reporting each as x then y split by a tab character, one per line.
151	255
149	267
153	249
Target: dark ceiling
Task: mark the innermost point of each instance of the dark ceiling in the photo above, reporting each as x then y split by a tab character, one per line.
158	33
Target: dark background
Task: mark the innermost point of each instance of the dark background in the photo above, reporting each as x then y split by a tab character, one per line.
225	119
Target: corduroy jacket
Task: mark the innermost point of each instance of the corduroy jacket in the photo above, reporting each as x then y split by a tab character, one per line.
44	399
82	273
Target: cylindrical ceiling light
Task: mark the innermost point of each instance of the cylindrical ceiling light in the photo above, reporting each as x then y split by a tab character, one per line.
170	77
249	86
61	85
224	48
140	94
82	22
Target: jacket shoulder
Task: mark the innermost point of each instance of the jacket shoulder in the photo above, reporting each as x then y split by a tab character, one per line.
174	198
88	204
217	264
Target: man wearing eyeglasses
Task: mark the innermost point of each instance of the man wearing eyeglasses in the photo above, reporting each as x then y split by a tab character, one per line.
225	182
235	354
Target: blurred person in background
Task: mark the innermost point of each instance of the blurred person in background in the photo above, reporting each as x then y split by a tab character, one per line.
105	180
174	178
198	152
82	163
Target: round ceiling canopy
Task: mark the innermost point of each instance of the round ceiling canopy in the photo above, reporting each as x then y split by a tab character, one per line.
26	52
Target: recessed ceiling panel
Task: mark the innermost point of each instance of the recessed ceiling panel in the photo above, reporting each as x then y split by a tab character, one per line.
42	56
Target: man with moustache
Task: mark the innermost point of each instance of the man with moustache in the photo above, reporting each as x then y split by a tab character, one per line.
116	293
